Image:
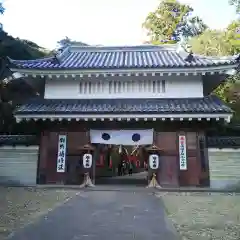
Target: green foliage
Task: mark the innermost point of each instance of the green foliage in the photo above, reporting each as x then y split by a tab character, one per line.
216	42
12	93
19	49
232	94
164	23
211	43
2	9
233	37
170	20
222	43
235	3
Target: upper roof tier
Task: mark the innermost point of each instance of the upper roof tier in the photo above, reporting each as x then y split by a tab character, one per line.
77	57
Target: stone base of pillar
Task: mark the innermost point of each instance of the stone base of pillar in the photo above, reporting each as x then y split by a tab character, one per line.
153	183
87	182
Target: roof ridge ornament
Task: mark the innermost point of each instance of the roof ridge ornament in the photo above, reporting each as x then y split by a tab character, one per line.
5	70
185	51
190	57
236	70
55	59
238	58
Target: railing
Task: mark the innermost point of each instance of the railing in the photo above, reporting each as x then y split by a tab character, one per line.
212	142
11	140
223	142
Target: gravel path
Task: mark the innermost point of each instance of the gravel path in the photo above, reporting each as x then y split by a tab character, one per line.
21	206
102	216
200	216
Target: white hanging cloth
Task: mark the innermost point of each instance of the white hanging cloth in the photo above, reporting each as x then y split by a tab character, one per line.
122	137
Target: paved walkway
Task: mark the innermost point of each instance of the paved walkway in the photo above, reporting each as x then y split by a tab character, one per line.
103	215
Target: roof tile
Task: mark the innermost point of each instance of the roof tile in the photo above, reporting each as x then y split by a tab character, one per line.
209	104
139	57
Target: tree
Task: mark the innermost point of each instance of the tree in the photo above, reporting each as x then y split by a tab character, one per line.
235	3
172	21
233	37
211	43
222	43
13	92
217	42
2	9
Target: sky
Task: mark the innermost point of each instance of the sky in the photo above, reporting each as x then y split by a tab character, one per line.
106	22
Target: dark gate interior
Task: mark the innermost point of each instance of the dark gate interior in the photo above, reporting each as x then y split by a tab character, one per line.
110	161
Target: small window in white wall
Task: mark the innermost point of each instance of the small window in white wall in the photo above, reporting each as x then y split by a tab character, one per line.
159	87
119	87
80	88
84	87
99	87
163	86
110	85
128	86
140	86
115	86
154	86
89	87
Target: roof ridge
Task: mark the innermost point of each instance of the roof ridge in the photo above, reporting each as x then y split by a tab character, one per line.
217	58
141	48
208	97
31	60
124	57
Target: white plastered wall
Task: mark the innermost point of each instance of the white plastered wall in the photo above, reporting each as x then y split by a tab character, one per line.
127	87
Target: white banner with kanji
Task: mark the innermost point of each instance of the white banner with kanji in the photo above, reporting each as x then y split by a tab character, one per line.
182	152
61	158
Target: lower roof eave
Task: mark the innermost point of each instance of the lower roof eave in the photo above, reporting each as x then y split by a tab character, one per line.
122	117
202	70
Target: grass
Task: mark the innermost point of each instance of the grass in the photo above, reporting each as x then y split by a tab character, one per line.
200	216
21	206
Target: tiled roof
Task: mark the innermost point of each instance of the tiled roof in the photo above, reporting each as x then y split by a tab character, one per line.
210	104
138	57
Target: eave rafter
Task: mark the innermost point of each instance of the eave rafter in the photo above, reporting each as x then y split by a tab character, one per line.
121	117
66	73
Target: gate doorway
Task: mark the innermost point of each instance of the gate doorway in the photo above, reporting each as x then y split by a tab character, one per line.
121	165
